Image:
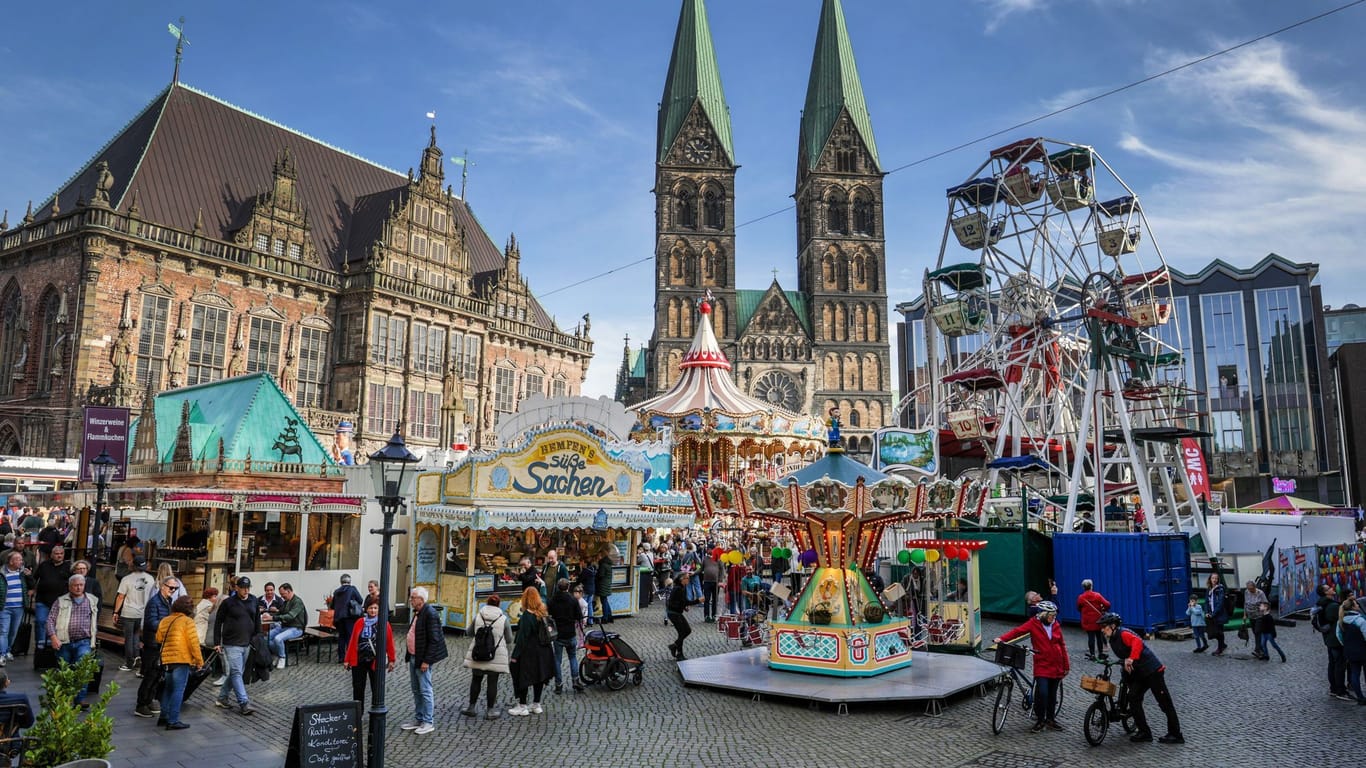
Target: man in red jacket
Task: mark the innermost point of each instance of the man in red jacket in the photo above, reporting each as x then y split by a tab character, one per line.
1051	664
1092	604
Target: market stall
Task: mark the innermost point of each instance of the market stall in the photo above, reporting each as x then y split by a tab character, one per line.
560	489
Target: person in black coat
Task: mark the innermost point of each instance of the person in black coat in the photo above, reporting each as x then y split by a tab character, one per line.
429	648
236	623
347	607
678	603
566	613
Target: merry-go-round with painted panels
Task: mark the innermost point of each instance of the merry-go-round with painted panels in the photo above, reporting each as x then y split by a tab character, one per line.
719	431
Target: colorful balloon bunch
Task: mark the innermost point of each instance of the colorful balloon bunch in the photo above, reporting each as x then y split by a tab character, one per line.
919	556
782	552
733	557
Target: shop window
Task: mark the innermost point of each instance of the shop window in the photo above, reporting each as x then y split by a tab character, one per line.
270	541
457	552
333	542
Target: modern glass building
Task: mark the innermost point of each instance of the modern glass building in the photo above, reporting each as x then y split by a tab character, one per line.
1255	360
1346	325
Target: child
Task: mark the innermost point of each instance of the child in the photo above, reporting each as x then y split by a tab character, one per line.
1196	612
1266	632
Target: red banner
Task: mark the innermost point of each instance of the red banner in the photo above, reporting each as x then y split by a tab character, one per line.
1194	460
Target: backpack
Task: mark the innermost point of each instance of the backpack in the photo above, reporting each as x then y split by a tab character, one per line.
485	645
546	631
365	649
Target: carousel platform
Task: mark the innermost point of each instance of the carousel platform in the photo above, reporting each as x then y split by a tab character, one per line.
931	678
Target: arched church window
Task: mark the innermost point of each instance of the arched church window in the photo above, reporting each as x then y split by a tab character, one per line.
863	214
837	213
687	208
713	209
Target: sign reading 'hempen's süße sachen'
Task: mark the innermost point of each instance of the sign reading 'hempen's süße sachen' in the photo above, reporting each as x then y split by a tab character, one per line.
559	465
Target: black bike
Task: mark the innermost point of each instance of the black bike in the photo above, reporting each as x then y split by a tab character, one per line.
1111	704
1011	659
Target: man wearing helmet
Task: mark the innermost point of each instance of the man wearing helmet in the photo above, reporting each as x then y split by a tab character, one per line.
1144	672
1050	661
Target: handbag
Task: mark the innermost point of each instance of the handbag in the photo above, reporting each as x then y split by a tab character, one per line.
1242	632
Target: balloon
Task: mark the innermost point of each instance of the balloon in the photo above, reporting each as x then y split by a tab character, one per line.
918	556
779	552
951	552
809	557
903	557
931	555
965	555
716	553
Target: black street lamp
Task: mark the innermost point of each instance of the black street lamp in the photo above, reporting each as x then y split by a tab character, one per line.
389	470
102	469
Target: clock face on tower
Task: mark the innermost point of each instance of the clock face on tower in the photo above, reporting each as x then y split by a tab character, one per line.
778	389
697	150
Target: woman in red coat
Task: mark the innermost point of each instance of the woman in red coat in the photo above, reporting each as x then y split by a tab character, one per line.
1050	661
362	652
1092	604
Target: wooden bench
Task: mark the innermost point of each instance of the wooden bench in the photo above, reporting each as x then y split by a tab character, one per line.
321	636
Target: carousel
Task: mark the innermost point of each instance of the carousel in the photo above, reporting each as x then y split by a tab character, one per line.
836	510
719	431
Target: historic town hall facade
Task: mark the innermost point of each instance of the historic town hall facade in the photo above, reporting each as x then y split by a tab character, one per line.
204	242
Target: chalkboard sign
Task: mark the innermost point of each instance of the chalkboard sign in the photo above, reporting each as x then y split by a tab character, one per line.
325	735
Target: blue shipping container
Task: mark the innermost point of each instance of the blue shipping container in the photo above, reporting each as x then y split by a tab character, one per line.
1145	576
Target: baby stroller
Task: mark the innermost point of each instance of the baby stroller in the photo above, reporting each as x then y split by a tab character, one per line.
609	659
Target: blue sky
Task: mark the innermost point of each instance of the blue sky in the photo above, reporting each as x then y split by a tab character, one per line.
1246	154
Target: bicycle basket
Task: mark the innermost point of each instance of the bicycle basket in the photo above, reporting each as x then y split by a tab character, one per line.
1098	685
1011	655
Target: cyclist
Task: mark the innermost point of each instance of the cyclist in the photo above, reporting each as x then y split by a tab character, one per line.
1050	661
1144	672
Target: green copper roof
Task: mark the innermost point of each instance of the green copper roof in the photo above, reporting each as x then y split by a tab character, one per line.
747	303
249	413
693	76
637	370
834	85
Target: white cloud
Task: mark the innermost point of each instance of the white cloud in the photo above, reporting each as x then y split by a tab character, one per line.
1269	164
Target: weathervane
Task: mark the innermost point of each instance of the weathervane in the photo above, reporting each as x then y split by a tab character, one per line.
179	34
464	162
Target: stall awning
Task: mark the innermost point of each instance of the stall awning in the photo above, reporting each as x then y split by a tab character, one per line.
482	518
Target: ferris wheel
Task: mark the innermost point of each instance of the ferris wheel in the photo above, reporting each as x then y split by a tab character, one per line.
1054	354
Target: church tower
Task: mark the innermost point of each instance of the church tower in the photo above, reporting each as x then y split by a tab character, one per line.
841	251
694	201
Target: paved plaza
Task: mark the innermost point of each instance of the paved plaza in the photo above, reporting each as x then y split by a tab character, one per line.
1234	710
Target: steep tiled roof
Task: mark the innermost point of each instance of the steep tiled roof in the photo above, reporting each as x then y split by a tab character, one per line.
693	76
747	303
834	86
188	152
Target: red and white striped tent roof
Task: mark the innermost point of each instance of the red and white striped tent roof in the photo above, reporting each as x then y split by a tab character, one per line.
704	383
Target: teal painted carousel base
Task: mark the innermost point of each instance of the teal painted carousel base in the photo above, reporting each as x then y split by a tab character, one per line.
862	650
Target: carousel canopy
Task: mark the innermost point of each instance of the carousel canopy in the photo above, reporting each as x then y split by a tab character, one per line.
704	383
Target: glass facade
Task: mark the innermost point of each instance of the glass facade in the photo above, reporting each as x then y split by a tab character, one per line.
1285	380
1344	326
1226	373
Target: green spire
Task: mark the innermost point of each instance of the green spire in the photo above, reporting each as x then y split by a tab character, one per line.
693	76
834	85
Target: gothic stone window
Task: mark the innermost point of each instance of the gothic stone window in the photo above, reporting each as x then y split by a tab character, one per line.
263	349
778	389
208	334
713	209
863	213
837	213
11	337
687	208
313	346
152	339
49	356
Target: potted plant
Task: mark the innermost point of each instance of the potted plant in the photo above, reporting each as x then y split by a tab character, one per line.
62	734
819	613
874	613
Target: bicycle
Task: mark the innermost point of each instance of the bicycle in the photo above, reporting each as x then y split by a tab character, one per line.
1110	706
1011	659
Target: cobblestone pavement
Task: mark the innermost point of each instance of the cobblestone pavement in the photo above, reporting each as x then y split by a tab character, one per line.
1233	710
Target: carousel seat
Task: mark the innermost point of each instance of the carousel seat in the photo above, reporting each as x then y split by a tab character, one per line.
974	231
976	379
1072	160
1027	463
1023	187
1021	151
1147	279
1151	314
1120	206
957	317
1070	192
1118	240
971	424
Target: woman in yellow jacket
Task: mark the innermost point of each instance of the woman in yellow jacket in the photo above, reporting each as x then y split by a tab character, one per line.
179	654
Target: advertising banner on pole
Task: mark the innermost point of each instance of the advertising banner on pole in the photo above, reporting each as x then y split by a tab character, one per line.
1194	460
105	429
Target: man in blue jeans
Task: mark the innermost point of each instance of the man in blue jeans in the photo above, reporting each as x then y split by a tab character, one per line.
12	614
290	620
238	620
426	646
71	626
564	610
